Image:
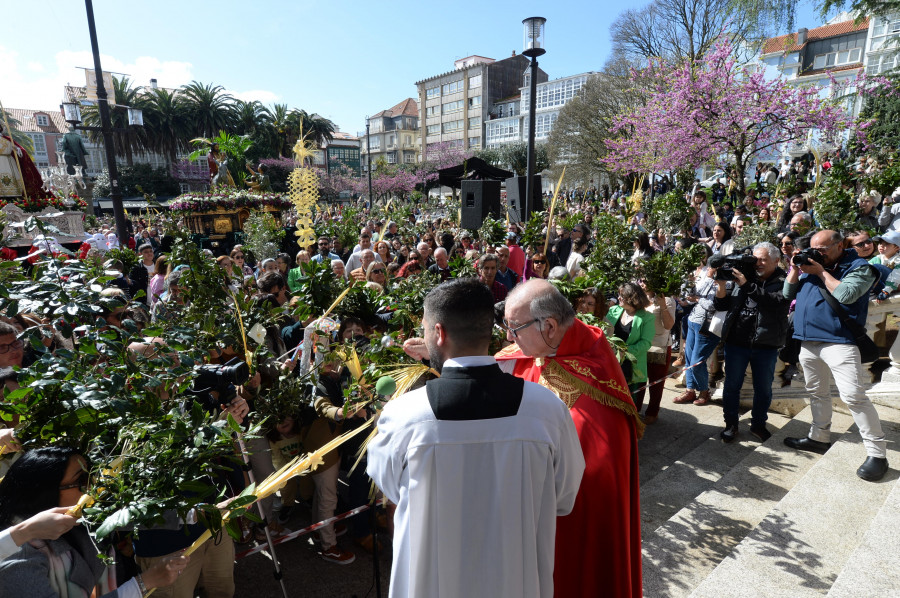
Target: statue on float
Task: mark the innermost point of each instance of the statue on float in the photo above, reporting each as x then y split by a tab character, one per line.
19	177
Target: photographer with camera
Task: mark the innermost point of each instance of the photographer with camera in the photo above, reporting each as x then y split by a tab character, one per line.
754	329
826	274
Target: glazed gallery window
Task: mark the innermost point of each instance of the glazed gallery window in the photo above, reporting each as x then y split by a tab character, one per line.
824	61
452	87
450	107
433	92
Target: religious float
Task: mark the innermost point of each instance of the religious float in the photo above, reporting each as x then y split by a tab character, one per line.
51	195
221	213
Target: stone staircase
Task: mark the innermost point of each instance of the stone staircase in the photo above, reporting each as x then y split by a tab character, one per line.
760	519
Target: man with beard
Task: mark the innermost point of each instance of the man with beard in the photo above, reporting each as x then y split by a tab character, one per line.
478	462
598	546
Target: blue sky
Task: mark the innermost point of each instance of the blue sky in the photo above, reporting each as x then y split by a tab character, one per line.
342	59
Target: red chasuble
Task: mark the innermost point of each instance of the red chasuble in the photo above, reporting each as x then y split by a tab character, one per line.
598	545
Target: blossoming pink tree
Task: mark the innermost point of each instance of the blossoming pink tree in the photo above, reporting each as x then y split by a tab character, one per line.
715	110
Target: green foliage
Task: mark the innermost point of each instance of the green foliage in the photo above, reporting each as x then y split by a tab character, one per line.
137	180
880	116
263	235
671	212
318	288
534	235
608	265
756	233
345	227
408	300
884	180
492	232
128	258
664	273
836	207
460	267
570	219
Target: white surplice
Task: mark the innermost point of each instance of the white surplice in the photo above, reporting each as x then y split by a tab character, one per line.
477	500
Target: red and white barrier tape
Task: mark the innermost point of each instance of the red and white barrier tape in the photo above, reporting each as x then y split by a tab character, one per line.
298	533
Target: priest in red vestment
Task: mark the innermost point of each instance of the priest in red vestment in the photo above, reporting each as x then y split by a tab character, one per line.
598	545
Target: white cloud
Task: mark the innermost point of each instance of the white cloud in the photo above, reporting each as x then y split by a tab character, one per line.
262	95
36	85
30	84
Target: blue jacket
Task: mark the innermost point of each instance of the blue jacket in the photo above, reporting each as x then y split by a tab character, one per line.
814	320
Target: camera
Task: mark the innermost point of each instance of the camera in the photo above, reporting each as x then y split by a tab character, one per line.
806	256
726	265
222	379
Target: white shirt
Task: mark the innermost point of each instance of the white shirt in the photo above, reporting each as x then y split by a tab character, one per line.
477	500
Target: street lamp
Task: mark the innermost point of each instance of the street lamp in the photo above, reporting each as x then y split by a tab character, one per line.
72	114
533	47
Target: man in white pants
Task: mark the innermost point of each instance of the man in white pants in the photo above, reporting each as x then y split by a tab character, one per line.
828	345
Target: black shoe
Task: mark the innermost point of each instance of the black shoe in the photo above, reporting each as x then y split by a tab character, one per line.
760	432
284	514
807	444
729	433
873	469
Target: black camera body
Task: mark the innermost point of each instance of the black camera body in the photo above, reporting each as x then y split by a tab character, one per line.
221	379
743	263
806	256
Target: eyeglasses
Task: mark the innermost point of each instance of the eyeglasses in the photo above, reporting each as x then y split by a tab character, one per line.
13	346
823	250
540	261
514	330
238	257
81	484
864	243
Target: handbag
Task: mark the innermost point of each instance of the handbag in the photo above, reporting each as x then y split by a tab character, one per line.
868	350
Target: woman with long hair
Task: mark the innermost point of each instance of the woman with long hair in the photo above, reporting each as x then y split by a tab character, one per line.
67	567
792	207
157	285
383	250
237	254
537	267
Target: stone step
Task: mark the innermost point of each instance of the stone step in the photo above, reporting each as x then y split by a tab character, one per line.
802	545
686	548
697	471
872	569
679	430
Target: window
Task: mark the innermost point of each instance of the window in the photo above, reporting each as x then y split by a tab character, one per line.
554	93
391	141
884	31
453	125
433	129
474	141
452	87
831	59
475	81
543	124
42	120
40	145
392	157
882	64
409	157
375	142
455	144
433	92
452	107
474	102
475	122
407	140
433	111
500	131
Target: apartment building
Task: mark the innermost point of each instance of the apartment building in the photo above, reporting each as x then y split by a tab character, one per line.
393	136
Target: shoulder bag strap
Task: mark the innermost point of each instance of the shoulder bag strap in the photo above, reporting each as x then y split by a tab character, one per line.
852	325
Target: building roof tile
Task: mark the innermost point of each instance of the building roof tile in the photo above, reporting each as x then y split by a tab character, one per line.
28	122
408	107
788	43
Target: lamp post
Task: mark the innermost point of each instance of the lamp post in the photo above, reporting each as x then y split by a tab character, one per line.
534	47
369	161
72	114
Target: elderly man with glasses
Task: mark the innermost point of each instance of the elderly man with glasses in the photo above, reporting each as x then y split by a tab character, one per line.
576	362
828	346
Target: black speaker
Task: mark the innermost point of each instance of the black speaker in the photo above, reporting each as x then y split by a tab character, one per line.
519	209
479	198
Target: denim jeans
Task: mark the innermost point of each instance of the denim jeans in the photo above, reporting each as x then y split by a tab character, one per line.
697	349
762	367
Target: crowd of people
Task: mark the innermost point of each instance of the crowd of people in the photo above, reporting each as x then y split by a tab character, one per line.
527	296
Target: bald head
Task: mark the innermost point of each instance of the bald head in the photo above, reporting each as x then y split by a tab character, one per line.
441	258
541	313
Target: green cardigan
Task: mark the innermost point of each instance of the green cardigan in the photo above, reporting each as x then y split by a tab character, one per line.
643	328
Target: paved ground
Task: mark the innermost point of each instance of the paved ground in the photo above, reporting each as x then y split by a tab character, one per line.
679	430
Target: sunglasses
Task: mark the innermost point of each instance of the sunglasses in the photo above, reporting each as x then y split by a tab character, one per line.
81	484
540	261
864	243
238	257
378	271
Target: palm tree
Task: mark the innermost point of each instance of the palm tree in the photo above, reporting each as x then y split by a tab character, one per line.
319	128
209	107
127	140
165	122
250	117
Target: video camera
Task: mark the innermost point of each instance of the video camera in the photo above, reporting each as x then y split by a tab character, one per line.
807	256
222	379
725	265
